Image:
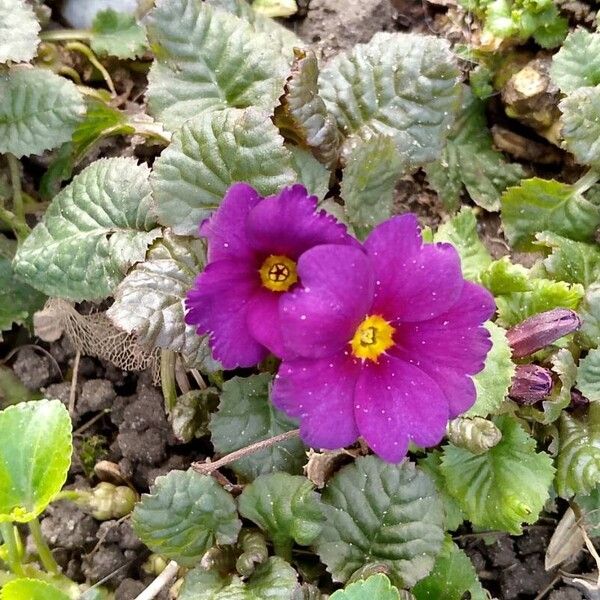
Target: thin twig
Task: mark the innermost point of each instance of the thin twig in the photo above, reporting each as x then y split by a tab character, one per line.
591	549
169	573
89	423
73	390
208	467
548	588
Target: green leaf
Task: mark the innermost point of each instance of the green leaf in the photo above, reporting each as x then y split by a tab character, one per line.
273	580
564	366
589	313
38	110
452	577
588	375
275	8
378	512
578	460
246	416
184	515
547	205
92	232
461	232
35	455
504	277
493	382
18	301
577	63
373	168
207	155
401	85
117	34
470	160
207	60
19	30
505	486
310	172
150	300
589	506
191	413
377	587
30	589
286	507
581	124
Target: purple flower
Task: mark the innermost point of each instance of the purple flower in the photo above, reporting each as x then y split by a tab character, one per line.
254	244
385	340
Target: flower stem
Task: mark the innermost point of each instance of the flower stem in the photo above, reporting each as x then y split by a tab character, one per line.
87	52
15	180
8	532
586	181
208	468
167	378
43	550
65	35
283	548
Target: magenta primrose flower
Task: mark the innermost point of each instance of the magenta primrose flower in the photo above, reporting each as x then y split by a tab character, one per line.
254	244
386	339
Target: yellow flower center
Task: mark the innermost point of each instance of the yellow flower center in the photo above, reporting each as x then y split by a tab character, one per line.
372	338
278	273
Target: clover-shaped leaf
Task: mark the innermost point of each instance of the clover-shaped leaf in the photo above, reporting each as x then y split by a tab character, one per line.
376	586
381	513
286	507
19	30
31	589
35	454
184	515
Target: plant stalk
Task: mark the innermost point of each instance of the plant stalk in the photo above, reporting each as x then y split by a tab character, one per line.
87	52
586	181
283	548
15	180
8	532
65	35
43	550
167	378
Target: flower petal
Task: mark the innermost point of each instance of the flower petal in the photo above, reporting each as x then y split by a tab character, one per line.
395	402
320	393
226	229
458	388
320	318
401	233
264	323
290	223
217	305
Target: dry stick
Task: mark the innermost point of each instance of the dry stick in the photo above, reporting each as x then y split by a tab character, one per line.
591	549
169	572
208	468
73	390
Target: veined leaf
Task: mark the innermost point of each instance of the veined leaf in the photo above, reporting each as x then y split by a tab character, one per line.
381	513
310	172
503	487
401	85
581	124
564	366
150	300
590	508
19	30
589	313
207	60
504	277
207	155
588	375
92	232
117	34
377	587
38	110
577	63
30	589
184	515
35	455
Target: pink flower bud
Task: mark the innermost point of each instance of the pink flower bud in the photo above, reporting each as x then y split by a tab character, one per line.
531	383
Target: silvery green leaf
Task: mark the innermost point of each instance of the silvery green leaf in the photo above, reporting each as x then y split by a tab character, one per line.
577	63
38	110
149	302
310	172
19	30
588	375
117	34
398	84
589	313
207	155
91	234
376	586
207	60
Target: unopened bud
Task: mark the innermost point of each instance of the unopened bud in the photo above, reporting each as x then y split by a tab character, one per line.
107	501
530	384
477	435
578	399
542	329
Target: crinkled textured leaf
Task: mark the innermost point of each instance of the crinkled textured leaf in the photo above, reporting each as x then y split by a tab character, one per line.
578	461
453	512
207	155
246	416
117	34
590	509
377	587
504	277
38	110
30	589
18	301
581	124
310	172
470	160
184	515
589	313
35	455
191	413
401	85
577	63
452	577
461	232
547	205
303	115
92	232
19	30
383	513
588	375
505	486
150	300
564	366
285	506
207	60
273	580
493	382
372	170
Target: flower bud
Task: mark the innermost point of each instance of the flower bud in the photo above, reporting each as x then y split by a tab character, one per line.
477	435
530	384
578	399
542	329
107	501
